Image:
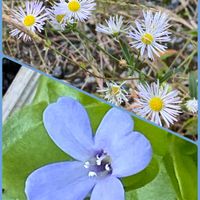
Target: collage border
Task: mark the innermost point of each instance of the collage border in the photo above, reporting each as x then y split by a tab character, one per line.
2	56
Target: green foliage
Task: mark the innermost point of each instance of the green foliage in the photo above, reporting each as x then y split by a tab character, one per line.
169	74
171	174
193	84
193	33
160	188
129	57
181	164
191	126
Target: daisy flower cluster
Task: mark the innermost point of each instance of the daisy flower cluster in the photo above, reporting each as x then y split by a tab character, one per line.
156	102
35	15
148	35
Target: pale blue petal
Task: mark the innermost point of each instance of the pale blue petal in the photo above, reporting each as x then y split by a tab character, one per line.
130	151
64	180
67	123
130	155
109	188
115	124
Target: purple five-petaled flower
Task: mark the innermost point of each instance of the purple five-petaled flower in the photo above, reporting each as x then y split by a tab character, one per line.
115	151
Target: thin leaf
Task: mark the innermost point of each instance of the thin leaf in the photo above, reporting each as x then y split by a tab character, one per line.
193	84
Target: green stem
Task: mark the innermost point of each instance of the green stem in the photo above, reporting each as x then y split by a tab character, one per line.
101	49
98	47
83	68
138	59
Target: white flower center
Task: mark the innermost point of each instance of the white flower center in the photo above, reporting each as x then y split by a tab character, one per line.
100	165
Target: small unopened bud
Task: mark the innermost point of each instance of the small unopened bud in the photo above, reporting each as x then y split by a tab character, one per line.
122	63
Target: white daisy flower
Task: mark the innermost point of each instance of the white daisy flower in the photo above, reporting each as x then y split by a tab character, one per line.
192	105
79	10
57	18
150	33
114	26
157	103
115	93
33	18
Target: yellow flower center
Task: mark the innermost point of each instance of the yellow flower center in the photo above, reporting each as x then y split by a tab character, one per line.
147	38
74	6
60	18
156	104
115	90
29	20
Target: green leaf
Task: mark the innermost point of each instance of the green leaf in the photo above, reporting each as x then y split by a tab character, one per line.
159	189
193	32
143	177
181	164
50	90
193	84
169	73
126	53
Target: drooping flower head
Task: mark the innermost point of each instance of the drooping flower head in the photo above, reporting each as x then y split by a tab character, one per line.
57	18
79	10
150	33
157	103
114	26
115	151
192	105
114	93
32	17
